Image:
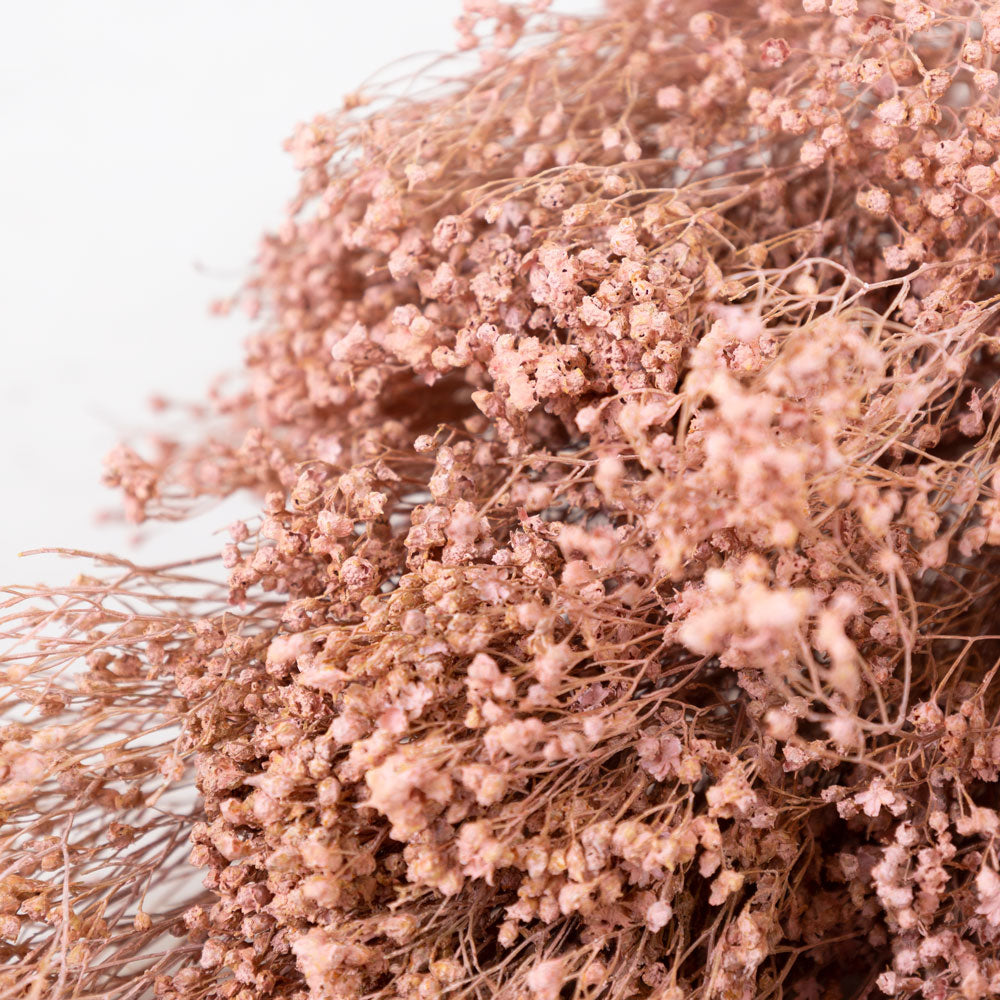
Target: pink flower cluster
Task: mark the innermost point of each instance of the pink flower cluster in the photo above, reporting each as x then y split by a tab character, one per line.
619	620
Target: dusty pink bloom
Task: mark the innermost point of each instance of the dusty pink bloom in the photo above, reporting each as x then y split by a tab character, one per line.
988	888
614	610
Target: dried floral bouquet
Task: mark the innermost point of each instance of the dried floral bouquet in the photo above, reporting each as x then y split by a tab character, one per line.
620	620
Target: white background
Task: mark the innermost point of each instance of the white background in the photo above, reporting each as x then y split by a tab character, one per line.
140	159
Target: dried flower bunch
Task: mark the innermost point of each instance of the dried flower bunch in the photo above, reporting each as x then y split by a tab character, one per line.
620	620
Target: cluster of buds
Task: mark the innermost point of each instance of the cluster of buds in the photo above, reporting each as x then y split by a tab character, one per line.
617	616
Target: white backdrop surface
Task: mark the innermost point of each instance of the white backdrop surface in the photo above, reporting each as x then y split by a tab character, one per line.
141	159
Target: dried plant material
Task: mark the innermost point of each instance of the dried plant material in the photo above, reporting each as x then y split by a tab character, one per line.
620	616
